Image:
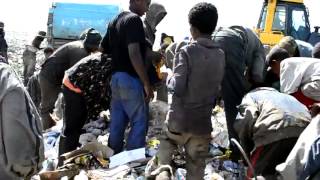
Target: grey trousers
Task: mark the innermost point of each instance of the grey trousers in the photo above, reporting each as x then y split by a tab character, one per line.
29	65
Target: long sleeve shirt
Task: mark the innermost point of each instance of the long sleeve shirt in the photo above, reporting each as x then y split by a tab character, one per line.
195	83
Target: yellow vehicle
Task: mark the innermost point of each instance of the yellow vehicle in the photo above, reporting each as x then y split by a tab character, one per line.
281	18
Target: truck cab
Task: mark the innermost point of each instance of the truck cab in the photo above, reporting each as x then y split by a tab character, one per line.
281	18
66	21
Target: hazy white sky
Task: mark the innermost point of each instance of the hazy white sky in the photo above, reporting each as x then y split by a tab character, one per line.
31	15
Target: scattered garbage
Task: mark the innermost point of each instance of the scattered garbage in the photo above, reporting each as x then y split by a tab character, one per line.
95	160
152	147
181	174
219	125
126	157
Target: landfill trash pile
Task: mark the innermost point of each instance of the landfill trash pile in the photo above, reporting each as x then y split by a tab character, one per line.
157	115
94	159
219	133
95	131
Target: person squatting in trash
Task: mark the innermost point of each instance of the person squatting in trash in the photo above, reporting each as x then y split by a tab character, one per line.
195	84
268	125
131	90
33	85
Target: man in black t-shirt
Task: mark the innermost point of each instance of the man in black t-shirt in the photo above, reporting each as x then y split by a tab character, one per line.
130	86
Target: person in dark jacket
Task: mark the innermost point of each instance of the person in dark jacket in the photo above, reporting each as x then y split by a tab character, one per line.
3	43
33	85
245	69
29	56
53	69
86	93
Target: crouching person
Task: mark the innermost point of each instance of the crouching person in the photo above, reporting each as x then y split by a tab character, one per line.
269	124
21	146
86	93
195	84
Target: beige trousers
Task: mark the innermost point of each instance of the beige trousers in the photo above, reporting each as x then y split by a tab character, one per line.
196	147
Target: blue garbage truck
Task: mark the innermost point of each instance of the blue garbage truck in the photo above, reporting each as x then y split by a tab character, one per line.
66	21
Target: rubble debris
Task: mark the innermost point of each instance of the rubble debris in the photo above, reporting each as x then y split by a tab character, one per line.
126	157
69	170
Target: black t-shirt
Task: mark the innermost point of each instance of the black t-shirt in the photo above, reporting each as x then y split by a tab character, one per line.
125	29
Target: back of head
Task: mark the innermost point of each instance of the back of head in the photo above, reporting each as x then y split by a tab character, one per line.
278	54
48	51
204	17
316	51
288	43
92	40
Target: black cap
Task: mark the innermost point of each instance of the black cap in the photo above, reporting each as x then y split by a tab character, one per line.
41	34
1	25
92	38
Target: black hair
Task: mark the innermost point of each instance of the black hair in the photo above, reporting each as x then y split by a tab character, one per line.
278	54
204	17
48	50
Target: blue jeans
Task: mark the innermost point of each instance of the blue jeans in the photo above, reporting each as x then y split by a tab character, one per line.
127	105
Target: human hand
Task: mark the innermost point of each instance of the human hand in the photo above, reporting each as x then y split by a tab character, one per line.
148	93
315	109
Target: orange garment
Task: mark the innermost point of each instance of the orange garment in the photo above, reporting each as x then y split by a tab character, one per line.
69	85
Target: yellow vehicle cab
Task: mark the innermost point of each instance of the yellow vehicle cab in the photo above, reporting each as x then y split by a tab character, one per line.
281	18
